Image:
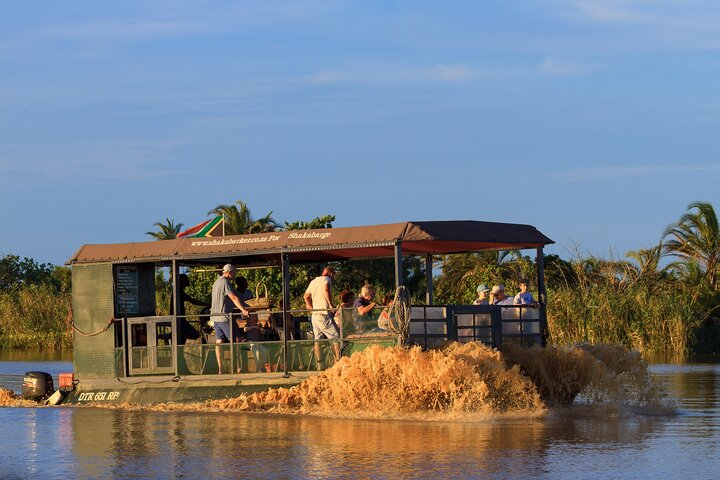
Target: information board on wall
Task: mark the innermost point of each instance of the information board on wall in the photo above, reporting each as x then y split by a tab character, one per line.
126	289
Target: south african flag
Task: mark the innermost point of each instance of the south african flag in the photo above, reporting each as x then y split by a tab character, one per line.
208	228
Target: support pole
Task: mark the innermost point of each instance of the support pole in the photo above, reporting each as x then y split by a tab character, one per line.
176	308
287	320
398	265
542	294
428	279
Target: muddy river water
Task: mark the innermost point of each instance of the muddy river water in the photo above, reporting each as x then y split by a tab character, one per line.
566	443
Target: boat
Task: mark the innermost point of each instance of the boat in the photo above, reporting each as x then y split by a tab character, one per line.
124	352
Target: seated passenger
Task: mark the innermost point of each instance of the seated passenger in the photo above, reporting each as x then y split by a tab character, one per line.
347	298
482	291
253	333
524	297
498	297
385	315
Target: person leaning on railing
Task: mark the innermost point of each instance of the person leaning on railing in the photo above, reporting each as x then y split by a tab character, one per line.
524	297
363	306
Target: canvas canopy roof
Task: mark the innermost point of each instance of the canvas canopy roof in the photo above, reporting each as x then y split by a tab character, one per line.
415	238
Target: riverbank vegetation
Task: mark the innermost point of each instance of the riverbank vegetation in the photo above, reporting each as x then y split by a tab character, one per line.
34	305
661	300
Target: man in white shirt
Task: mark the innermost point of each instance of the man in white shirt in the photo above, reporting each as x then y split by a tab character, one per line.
318	298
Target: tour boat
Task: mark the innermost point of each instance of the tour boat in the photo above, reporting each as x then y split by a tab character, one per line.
125	352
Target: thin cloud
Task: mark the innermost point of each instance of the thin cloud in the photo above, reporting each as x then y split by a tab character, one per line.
596	173
385	76
557	68
128	30
609	11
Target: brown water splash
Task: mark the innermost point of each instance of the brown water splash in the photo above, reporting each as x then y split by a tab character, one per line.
597	374
8	398
377	382
464	381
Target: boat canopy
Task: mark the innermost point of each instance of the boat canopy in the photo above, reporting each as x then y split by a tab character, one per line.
415	238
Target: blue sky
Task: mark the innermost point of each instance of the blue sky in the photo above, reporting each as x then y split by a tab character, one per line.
596	121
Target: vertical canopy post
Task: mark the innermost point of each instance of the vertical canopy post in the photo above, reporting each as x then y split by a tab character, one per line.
542	294
176	307
287	320
428	279
398	265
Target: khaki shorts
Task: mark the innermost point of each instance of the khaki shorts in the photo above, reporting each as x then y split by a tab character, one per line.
324	326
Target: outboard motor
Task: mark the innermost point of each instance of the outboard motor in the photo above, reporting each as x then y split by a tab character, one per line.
37	386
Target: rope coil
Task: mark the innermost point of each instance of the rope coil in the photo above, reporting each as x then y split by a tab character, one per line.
399	314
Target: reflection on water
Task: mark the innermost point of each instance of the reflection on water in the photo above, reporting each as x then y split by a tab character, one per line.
575	442
99	443
35	355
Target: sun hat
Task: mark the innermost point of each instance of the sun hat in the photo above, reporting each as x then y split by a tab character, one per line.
229	267
497	289
482	288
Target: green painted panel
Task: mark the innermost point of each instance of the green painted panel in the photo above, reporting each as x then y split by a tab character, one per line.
92	289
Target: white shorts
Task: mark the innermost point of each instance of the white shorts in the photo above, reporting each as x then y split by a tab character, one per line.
324	325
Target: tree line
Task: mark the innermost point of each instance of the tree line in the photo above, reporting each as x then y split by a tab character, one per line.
662	299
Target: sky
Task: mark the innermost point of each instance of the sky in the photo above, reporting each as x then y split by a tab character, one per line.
595	121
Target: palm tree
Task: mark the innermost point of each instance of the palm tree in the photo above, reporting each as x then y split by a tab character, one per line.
695	239
168	230
239	220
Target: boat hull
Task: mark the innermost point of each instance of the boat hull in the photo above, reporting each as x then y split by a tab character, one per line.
177	389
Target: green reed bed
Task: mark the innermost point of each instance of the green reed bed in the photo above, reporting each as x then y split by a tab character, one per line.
35	317
637	317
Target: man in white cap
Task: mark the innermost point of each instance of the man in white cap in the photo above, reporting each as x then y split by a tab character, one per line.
498	297
224	299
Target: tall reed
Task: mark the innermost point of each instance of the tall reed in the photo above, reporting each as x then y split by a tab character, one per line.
637	316
35	317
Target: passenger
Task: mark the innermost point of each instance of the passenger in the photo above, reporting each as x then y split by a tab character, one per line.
363	307
346	302
498	297
482	291
253	333
277	322
524	297
186	330
318	297
224	298
384	318
242	288
346	299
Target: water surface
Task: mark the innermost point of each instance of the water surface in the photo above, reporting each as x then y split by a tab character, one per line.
567	444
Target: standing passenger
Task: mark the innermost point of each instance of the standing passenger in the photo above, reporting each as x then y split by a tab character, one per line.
224	298
318	297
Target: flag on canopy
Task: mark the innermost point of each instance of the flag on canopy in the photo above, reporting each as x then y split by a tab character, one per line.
215	227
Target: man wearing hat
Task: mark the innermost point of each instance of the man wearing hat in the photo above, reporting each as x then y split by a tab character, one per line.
482	291
498	297
224	299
